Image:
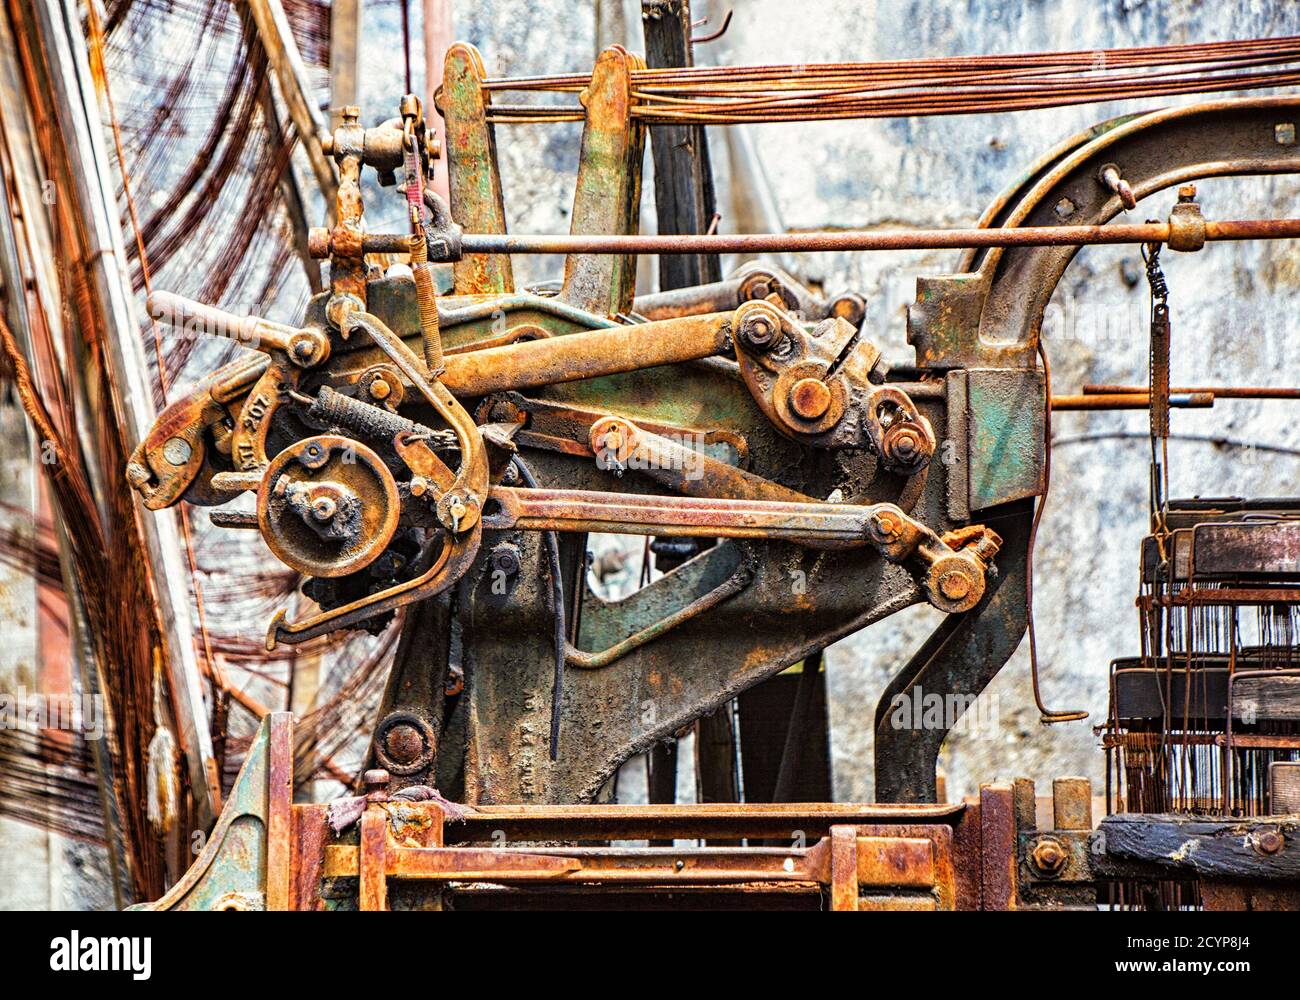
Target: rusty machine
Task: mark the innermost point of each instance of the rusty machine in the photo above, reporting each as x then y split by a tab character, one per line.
435	438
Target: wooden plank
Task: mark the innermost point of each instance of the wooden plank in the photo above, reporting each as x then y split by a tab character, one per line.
1182	845
1259	698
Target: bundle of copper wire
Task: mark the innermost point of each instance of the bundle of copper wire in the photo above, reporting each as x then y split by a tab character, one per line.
717	95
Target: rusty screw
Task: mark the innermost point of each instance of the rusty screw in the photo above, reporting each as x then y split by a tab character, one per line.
1048	857
886	527
505	559
954	586
403	743
758	333
1267	841
1112	178
810	398
419	486
379	389
903	445
323	508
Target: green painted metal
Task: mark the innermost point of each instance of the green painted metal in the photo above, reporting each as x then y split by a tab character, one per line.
475	180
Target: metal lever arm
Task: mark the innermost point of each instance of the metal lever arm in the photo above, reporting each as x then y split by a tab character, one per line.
953	579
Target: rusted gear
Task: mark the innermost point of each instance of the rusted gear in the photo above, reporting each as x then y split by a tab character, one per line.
327	506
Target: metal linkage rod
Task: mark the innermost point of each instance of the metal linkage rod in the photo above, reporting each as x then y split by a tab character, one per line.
908	239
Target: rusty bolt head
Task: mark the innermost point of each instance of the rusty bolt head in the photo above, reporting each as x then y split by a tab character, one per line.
758	332
954	585
350	113
323	508
318	242
419	486
376	779
1187	192
850	308
886	526
903	445
379	389
1267	841
177	451
1048	857
403	743
505	559
810	398
611	440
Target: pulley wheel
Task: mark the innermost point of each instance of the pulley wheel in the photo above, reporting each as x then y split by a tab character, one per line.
327	506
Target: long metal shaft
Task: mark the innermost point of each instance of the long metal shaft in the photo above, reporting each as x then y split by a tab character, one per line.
907	239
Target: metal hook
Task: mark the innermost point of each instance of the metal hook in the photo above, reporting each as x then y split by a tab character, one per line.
726	23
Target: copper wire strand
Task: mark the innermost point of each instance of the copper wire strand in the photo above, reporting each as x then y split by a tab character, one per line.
96	36
958	85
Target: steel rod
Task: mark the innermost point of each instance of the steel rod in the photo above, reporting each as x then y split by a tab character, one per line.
1218	391
1138	400
910	239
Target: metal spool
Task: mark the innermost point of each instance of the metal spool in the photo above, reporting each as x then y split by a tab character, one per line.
327	506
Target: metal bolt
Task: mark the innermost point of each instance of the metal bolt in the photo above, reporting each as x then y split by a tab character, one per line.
903	445
886	526
1267	841
758	332
379	389
1112	178
505	559
376	781
403	743
810	398
1048	857
323	508
954	585
419	486
1187	192
1284	133
177	451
